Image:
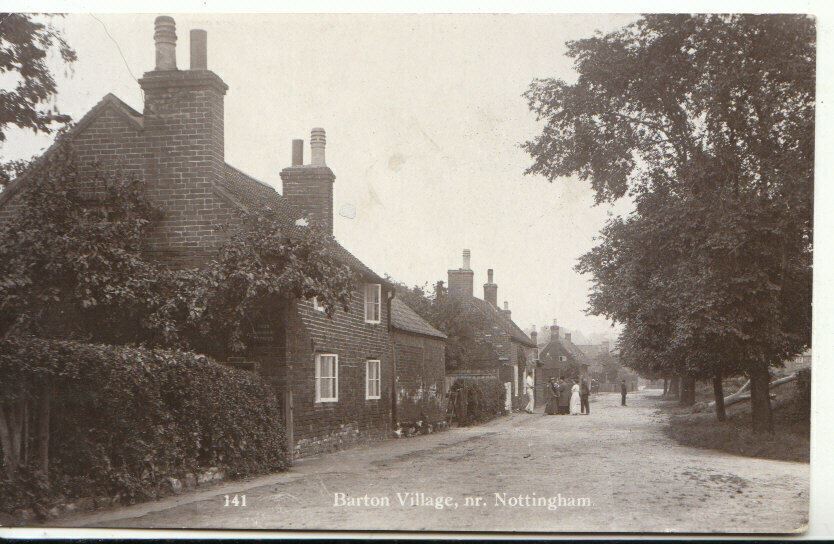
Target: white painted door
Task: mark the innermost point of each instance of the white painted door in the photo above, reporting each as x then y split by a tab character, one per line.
508	398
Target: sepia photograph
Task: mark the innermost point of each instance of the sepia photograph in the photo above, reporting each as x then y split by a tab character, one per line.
528	273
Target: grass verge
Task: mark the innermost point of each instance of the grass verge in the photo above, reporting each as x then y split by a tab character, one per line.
789	442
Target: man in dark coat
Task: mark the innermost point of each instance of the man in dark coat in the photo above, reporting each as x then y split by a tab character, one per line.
564	396
623	391
584	393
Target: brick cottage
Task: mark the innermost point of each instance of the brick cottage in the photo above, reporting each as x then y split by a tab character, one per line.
513	351
334	377
560	357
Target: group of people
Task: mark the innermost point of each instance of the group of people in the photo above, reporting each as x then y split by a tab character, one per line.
568	397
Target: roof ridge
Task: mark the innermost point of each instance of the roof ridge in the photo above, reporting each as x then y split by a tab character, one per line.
253	178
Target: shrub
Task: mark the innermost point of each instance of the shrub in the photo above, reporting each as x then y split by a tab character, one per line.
125	419
803	392
484	399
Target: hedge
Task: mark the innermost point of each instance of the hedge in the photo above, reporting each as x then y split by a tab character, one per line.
125	419
484	399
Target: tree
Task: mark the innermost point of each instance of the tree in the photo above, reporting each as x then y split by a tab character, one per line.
25	42
707	123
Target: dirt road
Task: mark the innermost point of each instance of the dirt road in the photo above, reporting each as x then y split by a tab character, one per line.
614	470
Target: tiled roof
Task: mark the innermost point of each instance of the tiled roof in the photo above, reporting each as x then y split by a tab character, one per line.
495	318
558	347
257	195
406	319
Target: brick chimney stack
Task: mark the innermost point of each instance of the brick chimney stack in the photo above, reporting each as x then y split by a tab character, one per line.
491	290
567	337
310	187
183	130
461	280
534	336
554	331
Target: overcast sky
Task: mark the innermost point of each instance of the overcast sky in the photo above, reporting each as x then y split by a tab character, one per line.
424	117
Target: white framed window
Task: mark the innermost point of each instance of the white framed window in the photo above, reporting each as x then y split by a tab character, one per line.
316	306
373	303
327	377
373	379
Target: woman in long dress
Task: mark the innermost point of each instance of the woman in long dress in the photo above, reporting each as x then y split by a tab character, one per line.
575	400
552	406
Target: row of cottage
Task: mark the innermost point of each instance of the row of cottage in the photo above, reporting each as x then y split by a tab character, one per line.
360	375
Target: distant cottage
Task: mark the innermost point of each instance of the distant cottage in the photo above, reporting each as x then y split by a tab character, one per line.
341	380
560	357
514	350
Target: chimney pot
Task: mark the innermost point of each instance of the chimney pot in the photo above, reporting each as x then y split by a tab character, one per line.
199	49
297	152
317	144
489	275
506	305
466	258
165	41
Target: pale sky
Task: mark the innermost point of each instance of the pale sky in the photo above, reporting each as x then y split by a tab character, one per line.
424	117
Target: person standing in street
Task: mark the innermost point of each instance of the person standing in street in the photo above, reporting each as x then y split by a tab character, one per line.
575	399
623	391
564	396
584	393
552	406
529	386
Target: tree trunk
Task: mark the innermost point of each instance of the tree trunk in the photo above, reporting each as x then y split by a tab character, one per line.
43	430
687	391
675	386
760	400
665	387
718	391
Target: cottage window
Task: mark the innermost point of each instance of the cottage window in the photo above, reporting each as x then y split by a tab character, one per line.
373	380
316	305
373	302
327	378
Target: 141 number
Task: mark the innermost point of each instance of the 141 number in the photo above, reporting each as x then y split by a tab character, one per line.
235	500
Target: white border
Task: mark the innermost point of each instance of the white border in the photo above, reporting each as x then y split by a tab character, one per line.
822	426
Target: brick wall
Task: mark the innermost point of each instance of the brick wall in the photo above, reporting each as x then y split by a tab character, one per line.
322	427
421	368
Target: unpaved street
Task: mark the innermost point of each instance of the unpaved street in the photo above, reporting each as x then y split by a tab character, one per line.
617	459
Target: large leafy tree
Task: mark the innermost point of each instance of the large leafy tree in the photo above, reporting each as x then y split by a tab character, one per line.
707	123
25	43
